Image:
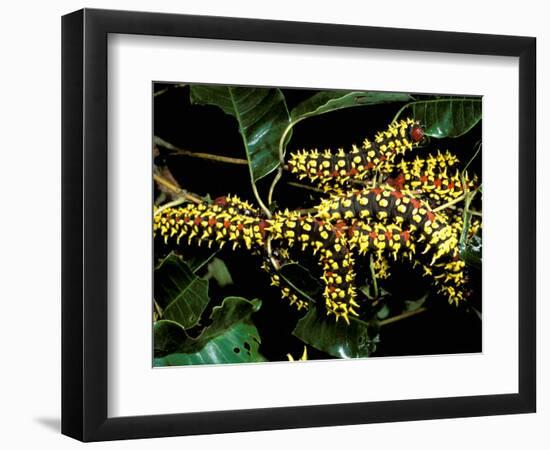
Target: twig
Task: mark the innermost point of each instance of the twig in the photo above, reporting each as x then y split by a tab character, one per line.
176	190
171	204
181	152
166	89
373	274
452	202
306	187
405	315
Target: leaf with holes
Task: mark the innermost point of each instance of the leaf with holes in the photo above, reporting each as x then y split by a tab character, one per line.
238	344
445	117
231	328
262	117
179	292
356	340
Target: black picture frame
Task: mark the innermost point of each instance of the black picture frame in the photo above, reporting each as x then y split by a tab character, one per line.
84	224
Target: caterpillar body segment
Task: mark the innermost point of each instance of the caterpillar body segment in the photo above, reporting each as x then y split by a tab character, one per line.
335	258
204	223
436	177
287	291
382	204
332	170
381	240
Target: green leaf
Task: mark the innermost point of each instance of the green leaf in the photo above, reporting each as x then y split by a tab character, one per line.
179	292
328	101
413	305
445	117
262	116
231	338
219	271
301	280
471	252
239	343
200	257
356	340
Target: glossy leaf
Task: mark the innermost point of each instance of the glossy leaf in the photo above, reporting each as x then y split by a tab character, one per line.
231	338
262	117
446	117
356	340
328	101
238	344
179	292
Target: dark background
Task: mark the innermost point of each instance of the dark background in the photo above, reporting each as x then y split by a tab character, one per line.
443	328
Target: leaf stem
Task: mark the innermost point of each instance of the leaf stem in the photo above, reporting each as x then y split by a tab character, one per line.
373	274
405	315
448	204
282	151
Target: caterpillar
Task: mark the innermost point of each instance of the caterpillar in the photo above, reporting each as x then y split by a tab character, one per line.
229	220
330	171
383	221
432	177
383	240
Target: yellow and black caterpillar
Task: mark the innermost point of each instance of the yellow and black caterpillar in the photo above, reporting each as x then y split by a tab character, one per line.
391	219
229	220
330	171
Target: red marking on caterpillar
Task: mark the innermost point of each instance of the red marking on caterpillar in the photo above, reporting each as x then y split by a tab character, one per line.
376	190
340	224
212	221
451	185
423	178
221	201
405	235
373	234
431	216
397	194
240	226
198	220
416	203
353	171
397	183
389	235
262	225
226	223
329	274
437	182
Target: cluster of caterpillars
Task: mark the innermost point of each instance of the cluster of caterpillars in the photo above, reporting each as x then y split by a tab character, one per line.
391	217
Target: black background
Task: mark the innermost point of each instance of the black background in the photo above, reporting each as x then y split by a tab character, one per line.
443	328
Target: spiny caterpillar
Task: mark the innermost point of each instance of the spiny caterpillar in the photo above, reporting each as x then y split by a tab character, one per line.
435	177
229	220
386	222
392	218
331	170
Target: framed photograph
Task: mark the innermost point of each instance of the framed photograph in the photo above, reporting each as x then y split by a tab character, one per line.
274	224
